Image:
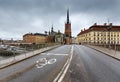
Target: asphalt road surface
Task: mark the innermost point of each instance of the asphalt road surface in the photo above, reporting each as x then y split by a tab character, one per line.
87	65
33	70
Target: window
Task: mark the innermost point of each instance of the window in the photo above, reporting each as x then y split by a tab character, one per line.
98	38
98	34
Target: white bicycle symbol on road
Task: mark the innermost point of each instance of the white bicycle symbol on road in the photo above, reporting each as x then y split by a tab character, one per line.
43	61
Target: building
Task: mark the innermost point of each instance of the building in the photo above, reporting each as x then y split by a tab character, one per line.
55	37
36	38
68	37
100	35
1	41
51	36
59	37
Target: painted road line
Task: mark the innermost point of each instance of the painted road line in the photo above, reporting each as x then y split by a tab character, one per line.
55	80
54	54
65	71
62	73
61	54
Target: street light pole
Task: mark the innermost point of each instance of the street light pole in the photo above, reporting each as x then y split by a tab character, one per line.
115	47
109	27
104	38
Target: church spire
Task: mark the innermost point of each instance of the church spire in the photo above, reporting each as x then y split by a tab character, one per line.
68	16
52	28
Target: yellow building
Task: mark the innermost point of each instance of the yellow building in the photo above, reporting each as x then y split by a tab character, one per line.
36	38
100	35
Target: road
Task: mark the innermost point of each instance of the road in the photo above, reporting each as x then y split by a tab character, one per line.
29	71
87	65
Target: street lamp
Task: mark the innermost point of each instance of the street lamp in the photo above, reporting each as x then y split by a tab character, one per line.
109	28
115	45
104	38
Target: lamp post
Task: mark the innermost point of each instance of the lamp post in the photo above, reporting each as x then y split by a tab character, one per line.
109	28
115	47
103	38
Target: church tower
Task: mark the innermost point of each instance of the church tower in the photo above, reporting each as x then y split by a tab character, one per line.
68	37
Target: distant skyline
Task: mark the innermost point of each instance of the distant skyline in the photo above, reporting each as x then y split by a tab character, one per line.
18	17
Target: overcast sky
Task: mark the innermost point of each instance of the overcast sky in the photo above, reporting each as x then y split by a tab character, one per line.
18	17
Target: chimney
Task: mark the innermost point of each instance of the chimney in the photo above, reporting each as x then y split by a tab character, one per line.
95	24
105	24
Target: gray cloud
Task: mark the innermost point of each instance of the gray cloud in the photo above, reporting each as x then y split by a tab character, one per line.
18	17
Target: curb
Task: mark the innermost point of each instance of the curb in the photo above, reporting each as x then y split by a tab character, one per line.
104	53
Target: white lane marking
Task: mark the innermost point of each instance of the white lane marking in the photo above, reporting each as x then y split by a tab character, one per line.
55	80
61	54
54	54
62	73
65	71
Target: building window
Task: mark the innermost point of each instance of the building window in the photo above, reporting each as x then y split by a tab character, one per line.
89	34
98	34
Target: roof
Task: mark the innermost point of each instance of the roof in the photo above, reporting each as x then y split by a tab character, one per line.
40	34
36	34
100	28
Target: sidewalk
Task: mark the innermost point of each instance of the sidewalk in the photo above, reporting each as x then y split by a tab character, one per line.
109	52
9	61
2	58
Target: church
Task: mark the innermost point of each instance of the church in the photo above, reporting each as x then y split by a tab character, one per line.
68	37
51	36
59	37
55	37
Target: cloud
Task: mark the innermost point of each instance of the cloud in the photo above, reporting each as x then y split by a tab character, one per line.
18	17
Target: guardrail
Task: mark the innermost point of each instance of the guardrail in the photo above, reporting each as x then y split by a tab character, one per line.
12	60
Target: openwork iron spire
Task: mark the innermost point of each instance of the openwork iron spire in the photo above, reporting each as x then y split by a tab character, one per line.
67	16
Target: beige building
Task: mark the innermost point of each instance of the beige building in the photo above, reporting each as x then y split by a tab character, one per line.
36	38
100	35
